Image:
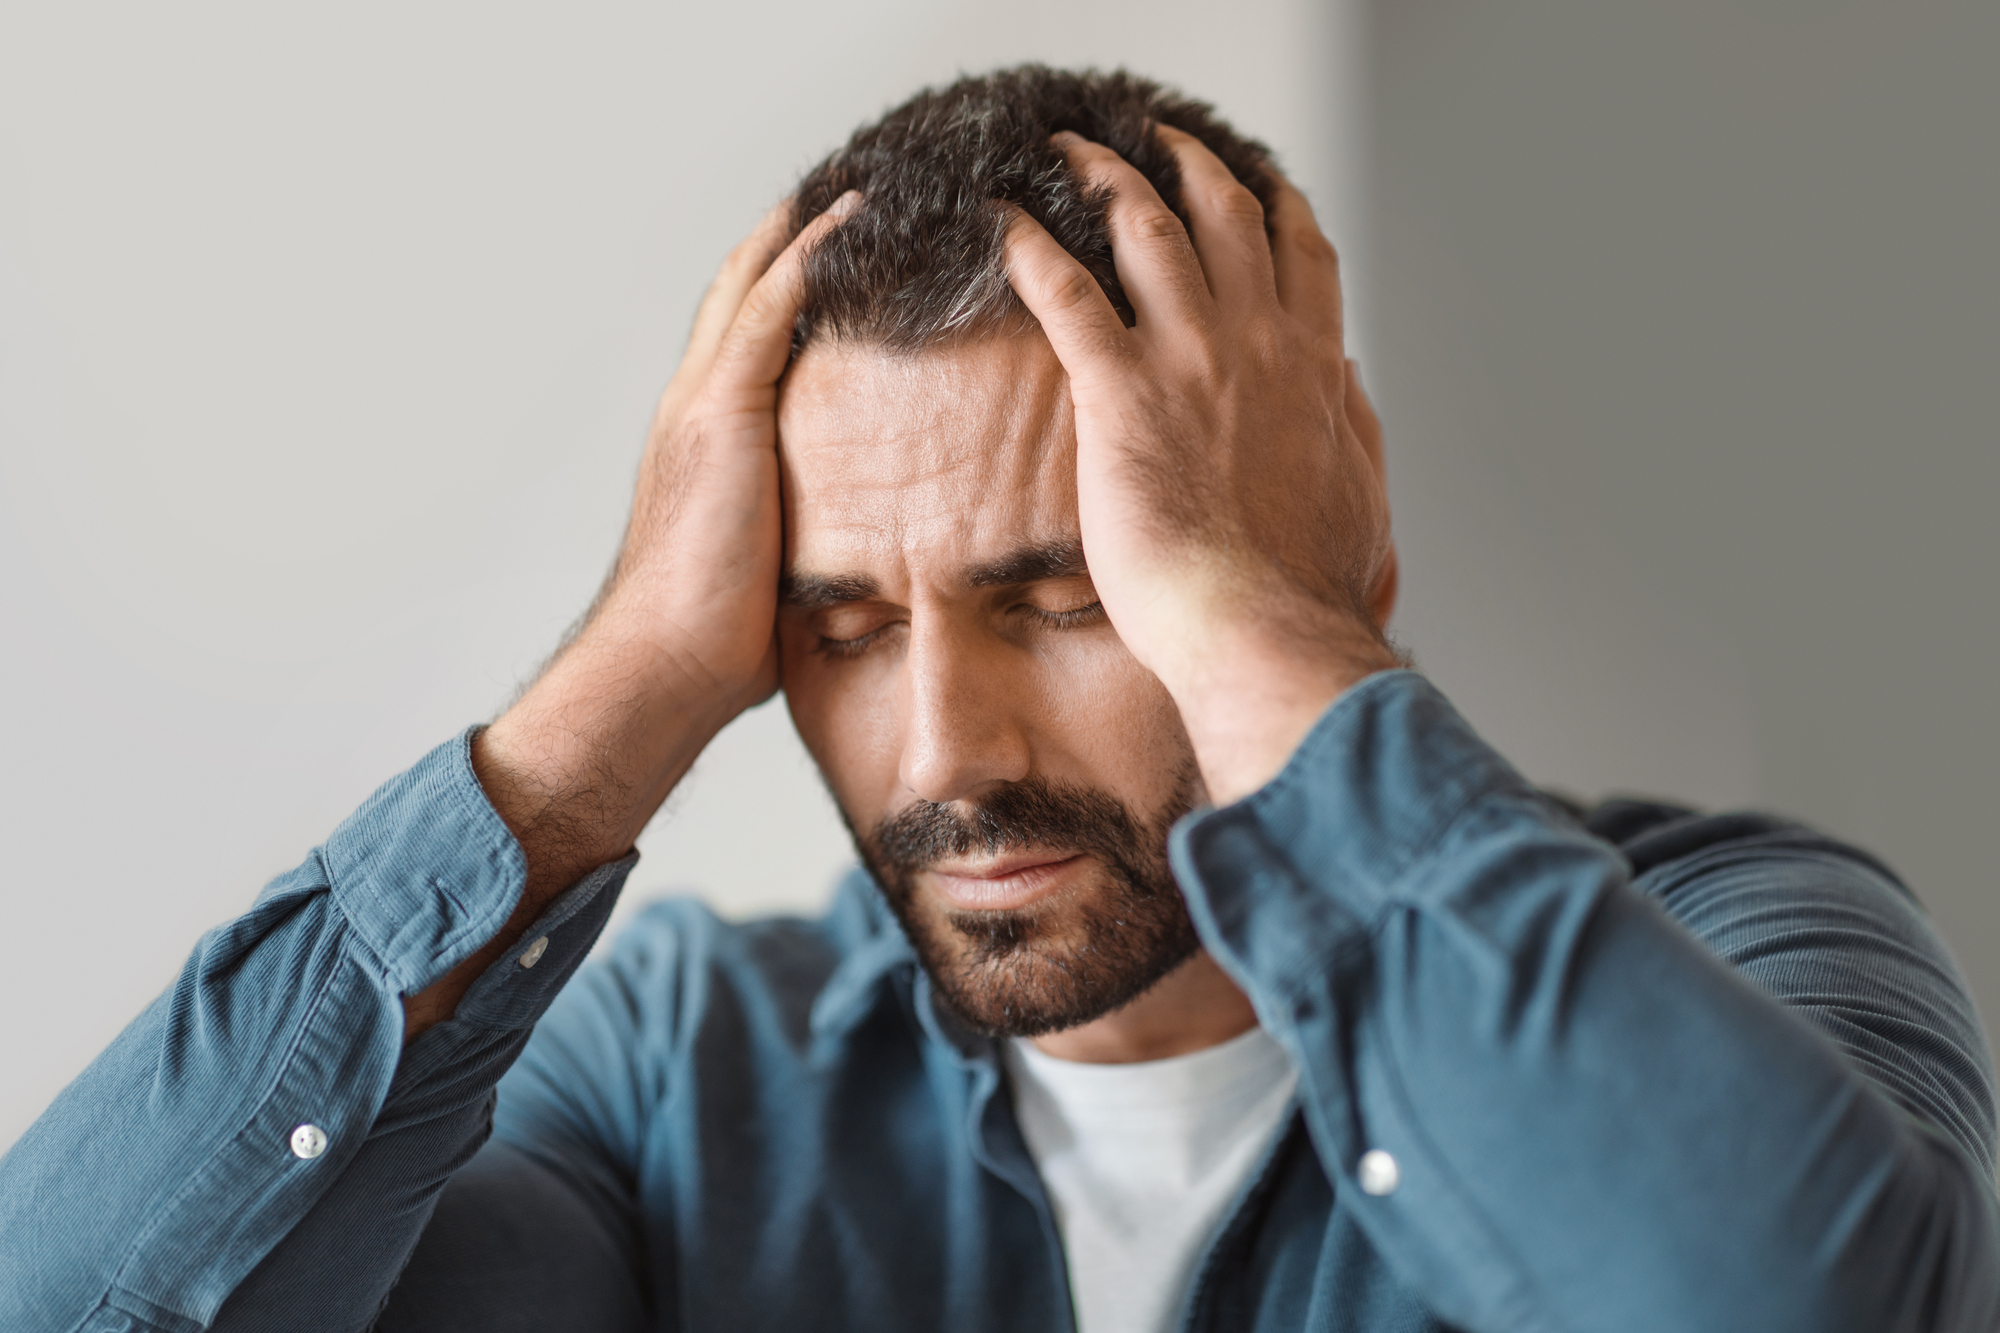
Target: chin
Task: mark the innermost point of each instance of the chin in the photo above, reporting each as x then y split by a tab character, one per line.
1027	974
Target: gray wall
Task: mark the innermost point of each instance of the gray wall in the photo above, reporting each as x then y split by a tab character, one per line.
327	338
1686	341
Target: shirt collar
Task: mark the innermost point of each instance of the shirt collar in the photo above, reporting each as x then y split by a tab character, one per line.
873	949
877	953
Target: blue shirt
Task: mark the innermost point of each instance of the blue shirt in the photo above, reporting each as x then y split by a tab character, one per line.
1643	1073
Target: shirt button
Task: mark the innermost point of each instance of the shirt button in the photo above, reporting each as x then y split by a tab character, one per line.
1378	1172
533	953
308	1142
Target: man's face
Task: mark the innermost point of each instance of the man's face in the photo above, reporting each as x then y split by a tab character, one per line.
1009	771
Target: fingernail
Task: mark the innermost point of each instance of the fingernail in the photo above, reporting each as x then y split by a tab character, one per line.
844	205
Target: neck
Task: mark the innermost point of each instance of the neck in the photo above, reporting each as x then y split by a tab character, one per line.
1193	1007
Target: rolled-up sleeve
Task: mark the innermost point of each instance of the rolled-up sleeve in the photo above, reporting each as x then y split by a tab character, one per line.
1548	1103
259	1149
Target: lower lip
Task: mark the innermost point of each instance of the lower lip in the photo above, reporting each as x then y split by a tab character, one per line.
1003	893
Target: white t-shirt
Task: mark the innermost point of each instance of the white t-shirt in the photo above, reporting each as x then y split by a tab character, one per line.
1140	1160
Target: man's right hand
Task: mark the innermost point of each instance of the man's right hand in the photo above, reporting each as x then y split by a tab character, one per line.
681	638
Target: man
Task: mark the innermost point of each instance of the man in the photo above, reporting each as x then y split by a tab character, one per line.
1020	451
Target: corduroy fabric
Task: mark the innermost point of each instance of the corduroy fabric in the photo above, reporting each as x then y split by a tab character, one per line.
1642	1070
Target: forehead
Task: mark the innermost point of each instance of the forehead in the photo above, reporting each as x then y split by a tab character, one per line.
901	463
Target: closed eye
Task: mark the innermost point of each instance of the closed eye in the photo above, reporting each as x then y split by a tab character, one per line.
850	648
1087	614
844	649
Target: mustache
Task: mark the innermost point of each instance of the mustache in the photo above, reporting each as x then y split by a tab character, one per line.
1030	813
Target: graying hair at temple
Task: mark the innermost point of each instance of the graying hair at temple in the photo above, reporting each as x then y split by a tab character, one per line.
921	262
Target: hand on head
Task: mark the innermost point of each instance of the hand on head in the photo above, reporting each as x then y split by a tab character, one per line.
698	571
1229	474
680	639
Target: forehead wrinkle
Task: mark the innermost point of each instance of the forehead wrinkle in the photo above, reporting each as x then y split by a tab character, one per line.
846	560
897	460
1012	389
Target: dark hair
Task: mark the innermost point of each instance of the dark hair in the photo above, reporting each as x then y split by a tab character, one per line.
920	262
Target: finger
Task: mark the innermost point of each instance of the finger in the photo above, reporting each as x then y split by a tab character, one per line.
1227	223
1308	270
738	274
1076	316
1156	262
754	350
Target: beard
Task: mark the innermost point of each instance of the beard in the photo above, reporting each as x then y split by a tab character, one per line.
1069	958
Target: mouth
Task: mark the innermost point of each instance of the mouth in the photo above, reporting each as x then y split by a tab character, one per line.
1005	883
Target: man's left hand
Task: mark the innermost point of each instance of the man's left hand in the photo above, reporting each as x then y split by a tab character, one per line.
1229	471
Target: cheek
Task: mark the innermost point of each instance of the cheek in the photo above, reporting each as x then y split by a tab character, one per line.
846	715
1116	721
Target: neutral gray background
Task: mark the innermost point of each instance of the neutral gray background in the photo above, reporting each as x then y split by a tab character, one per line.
328	336
1688	340
326	343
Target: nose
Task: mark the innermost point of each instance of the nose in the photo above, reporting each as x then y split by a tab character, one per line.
963	724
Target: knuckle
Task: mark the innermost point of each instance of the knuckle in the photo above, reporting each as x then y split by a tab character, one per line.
1315	244
1268	351
1236	201
1072	288
1206	366
740	337
1157	225
1091	160
1090	157
768	302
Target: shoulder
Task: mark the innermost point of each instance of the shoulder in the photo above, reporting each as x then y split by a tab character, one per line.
1749	884
1658	837
1833	933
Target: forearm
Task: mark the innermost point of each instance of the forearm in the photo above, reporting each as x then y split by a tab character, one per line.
578	765
334	1269
1593	1119
175	1165
683	636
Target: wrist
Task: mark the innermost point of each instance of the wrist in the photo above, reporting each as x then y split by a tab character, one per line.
582	760
1250	694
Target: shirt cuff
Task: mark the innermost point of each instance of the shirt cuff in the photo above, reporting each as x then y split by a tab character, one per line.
1283	880
426	871
522	983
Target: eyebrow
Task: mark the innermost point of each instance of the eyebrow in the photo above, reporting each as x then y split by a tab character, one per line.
816	591
1058	559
